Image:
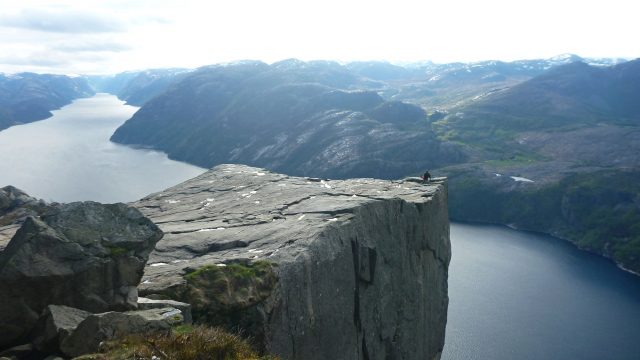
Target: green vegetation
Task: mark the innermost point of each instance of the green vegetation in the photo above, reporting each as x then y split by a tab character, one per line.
518	159
188	343
599	212
230	296
116	251
234	270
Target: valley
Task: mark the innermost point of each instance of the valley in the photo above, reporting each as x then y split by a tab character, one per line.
574	179
570	125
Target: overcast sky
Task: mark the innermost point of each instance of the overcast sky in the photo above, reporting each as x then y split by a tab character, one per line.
85	36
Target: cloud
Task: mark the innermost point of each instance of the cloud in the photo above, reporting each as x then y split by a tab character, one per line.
91	46
34	61
63	21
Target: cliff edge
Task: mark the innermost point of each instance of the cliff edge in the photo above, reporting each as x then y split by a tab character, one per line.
309	268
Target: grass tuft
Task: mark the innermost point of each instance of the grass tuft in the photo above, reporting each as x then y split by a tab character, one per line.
183	343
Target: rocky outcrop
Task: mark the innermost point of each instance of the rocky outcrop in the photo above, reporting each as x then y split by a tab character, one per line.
311	268
85	255
15	207
56	324
88	335
185	309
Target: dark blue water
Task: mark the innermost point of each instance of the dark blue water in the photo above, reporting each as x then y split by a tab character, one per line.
518	295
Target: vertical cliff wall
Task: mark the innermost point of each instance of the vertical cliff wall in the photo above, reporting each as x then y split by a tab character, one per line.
311	269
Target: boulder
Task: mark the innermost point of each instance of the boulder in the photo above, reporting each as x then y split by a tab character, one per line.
309	268
57	322
97	328
145	304
13	198
15	207
85	255
18	352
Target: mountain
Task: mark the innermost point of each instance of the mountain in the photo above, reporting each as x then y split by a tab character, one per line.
27	97
445	86
544	145
296	117
137	87
568	95
381	70
558	154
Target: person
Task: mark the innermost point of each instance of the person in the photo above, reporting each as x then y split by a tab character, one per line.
426	176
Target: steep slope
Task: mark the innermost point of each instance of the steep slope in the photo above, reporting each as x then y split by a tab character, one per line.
310	269
28	97
295	117
557	154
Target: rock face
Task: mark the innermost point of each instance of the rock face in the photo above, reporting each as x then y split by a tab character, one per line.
15	207
84	255
57	323
312	269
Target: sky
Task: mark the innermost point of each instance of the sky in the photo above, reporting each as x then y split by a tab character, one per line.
101	37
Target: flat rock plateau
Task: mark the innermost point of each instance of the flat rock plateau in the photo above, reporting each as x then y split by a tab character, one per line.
308	268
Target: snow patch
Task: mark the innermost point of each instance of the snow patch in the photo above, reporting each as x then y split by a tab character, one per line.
518	178
324	184
210	229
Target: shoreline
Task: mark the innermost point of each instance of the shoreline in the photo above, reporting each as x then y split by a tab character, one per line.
555	236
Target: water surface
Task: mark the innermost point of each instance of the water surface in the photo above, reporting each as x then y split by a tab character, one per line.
518	295
69	157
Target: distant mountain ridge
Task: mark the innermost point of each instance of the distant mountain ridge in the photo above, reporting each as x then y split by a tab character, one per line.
300	118
565	95
544	145
27	97
136	87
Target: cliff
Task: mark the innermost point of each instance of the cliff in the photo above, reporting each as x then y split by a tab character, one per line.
310	268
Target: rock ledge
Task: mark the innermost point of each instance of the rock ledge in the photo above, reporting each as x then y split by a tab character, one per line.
310	268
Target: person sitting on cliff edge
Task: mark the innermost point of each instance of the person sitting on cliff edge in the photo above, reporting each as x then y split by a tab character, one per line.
426	177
